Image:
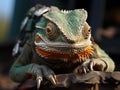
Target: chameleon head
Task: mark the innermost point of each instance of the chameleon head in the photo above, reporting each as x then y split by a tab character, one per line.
64	32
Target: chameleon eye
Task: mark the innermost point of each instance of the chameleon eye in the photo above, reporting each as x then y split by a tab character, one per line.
86	31
50	31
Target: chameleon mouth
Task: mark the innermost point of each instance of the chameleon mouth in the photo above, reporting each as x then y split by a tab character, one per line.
40	42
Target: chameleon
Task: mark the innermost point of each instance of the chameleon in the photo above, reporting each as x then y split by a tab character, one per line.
61	43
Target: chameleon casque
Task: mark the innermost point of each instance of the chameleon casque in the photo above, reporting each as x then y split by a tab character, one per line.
61	43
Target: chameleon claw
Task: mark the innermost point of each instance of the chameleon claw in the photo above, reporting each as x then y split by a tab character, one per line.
39	79
52	78
84	70
91	66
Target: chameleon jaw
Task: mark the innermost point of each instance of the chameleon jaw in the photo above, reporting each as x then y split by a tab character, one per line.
60	47
40	42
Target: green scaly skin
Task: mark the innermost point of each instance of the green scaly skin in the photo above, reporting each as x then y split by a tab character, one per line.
61	32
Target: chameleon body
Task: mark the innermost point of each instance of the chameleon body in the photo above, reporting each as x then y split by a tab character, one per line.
61	43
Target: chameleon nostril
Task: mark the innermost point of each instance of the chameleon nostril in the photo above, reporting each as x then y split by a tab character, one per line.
37	38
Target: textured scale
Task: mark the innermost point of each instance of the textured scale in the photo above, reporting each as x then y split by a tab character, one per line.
65	24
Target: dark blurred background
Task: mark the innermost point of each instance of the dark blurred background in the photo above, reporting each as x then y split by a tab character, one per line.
103	16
